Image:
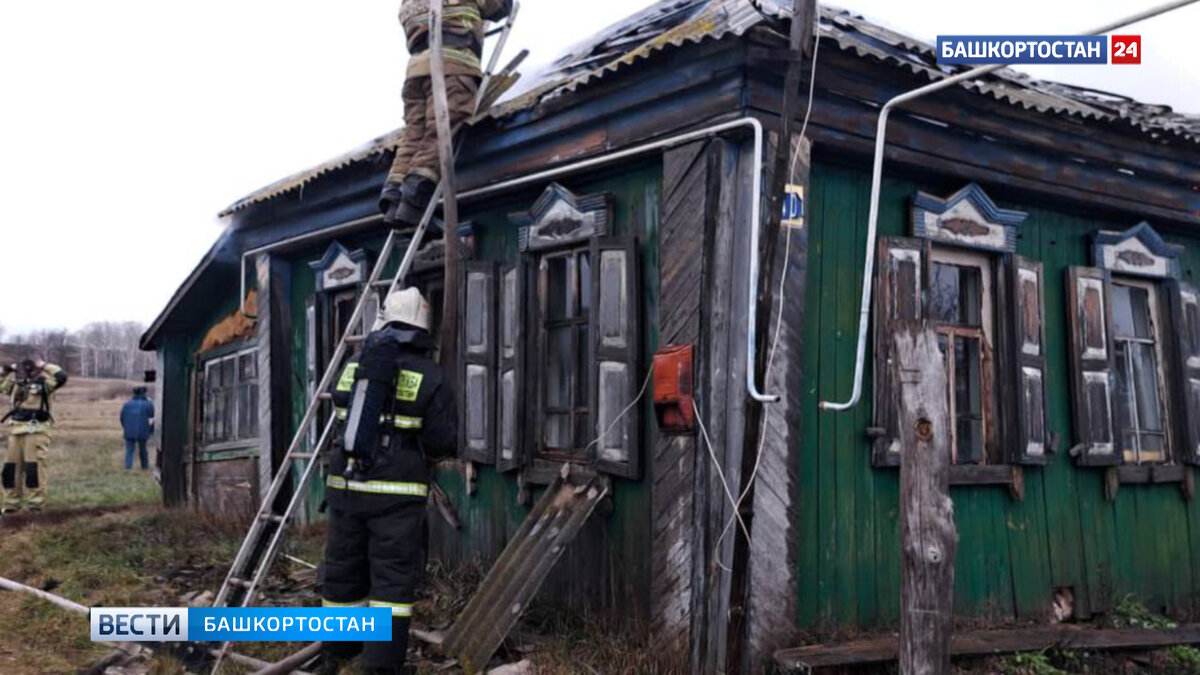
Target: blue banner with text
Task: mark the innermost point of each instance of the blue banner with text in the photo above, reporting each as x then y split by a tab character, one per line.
254	624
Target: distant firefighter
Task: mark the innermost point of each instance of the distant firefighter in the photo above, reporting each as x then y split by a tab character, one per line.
29	386
415	172
137	421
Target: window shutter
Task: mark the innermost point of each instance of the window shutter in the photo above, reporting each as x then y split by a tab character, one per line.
901	280
615	335
1092	367
510	451
1185	305
477	350
1025	329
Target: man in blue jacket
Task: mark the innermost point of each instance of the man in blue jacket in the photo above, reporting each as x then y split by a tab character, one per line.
137	418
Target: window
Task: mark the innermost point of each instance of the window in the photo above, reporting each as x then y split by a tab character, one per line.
960	305
1140	403
961	274
231	398
1135	354
549	345
565	282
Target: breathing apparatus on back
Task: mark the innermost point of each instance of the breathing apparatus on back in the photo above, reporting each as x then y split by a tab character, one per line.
371	413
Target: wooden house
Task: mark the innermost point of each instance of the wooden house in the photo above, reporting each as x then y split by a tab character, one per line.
1050	232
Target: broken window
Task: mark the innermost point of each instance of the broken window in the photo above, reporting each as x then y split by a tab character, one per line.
565	282
1141	423
1136	367
960	303
230	398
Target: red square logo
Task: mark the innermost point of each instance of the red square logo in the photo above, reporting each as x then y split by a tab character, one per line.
1126	49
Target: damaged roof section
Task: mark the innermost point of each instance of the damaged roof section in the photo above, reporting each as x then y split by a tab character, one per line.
672	24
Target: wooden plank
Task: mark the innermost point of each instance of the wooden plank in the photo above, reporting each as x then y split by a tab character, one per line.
809	485
866	553
987	643
264	326
847	277
894	216
837	220
520	571
927	536
681	247
445	143
772	581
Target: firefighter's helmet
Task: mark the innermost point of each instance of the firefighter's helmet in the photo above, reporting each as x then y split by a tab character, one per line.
407	307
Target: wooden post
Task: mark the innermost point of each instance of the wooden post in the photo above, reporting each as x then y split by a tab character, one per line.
800	44
927	536
445	136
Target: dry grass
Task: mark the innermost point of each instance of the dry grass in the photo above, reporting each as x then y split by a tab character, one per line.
86	464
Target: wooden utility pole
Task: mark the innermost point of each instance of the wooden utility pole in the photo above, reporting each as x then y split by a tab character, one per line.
927	536
445	137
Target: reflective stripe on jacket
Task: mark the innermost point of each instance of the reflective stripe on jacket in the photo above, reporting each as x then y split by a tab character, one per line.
463	18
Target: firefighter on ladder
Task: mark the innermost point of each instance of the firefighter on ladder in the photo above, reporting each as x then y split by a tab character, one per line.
414	174
30	387
397	413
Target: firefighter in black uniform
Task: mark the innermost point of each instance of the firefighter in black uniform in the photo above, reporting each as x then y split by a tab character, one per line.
397	414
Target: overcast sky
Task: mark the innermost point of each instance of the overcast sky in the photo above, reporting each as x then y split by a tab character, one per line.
126	125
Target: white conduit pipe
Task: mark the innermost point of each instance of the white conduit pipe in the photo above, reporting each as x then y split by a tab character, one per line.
877	176
541	176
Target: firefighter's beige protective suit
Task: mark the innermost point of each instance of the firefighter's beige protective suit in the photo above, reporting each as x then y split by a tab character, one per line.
28	423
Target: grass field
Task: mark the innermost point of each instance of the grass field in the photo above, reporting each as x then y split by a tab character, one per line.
86	464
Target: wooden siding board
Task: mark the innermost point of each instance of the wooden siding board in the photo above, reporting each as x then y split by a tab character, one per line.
847	449
868	597
681	247
893	212
808	484
826	446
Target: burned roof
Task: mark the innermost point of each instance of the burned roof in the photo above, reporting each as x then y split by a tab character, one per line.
671	24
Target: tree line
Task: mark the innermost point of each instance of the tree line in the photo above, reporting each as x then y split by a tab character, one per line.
102	349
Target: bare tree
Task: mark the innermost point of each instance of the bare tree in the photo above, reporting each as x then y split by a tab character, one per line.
3	332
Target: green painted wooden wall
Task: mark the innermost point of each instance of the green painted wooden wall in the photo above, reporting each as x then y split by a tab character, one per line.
609	564
1011	555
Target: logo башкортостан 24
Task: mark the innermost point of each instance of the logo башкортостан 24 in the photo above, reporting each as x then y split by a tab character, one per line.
982	50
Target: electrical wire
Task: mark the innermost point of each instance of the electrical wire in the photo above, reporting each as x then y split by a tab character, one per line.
645	384
721	475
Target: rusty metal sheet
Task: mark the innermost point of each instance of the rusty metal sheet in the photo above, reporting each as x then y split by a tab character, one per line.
519	572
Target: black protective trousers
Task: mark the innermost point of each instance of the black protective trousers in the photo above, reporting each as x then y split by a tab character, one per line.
376	556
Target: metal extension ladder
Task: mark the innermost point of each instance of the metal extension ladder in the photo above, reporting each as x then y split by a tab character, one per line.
261	545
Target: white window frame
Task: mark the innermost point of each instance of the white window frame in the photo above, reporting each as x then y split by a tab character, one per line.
237	441
987	307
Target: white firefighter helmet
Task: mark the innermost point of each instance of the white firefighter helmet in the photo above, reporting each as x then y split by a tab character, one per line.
408	307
